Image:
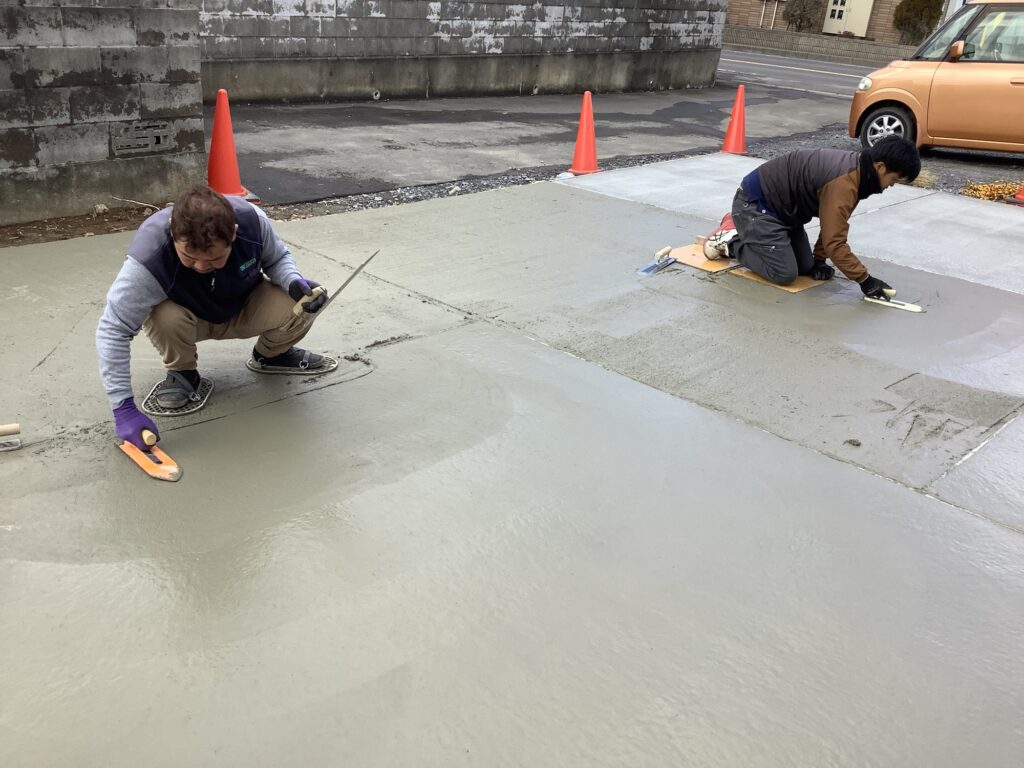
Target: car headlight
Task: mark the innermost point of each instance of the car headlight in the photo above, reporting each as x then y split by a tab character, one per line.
864	84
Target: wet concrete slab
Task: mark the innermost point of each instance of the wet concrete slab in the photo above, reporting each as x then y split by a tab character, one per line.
991	479
661	548
936	232
905	396
488	534
48	368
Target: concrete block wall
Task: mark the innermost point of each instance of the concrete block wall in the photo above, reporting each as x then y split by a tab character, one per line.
97	98
821	47
351	48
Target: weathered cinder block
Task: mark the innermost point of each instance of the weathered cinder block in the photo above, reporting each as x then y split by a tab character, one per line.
171	100
240	26
337	27
100	105
187	135
183	64
49	106
407	28
17	148
62	66
242	7
15	111
289	8
274	26
305	26
123	66
408	9
12	70
322	47
184	5
214	6
123	4
321	8
30	26
211	26
351	47
289	46
222	48
96	27
256	47
59	144
166	27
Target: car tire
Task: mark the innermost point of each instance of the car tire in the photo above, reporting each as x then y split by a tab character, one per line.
889	120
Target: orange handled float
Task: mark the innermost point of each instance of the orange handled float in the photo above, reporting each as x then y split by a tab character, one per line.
153	462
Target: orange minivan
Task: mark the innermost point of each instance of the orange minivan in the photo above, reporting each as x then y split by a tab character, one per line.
964	87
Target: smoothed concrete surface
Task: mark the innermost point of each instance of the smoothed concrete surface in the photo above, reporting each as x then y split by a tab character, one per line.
992	478
905	396
488	552
936	232
493	553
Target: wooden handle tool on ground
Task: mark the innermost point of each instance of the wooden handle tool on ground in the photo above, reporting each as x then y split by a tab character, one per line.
8	431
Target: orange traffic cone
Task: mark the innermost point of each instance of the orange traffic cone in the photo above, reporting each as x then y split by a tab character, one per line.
584	160
1017	199
222	167
736	136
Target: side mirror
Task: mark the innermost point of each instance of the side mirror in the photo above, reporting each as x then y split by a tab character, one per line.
956	50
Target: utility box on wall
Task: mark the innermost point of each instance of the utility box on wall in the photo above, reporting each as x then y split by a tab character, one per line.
97	102
848	17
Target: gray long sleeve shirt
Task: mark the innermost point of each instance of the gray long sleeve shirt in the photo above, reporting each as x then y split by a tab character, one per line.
148	277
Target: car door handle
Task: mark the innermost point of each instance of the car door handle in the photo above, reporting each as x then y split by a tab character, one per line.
1017	81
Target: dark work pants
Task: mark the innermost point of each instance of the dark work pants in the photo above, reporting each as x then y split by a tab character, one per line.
767	246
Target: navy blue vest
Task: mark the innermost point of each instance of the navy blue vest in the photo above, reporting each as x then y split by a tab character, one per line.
215	296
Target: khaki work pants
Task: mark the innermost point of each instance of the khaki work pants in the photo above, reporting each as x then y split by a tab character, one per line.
267	313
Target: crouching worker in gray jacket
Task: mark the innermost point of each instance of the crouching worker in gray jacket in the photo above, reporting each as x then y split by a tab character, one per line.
210	267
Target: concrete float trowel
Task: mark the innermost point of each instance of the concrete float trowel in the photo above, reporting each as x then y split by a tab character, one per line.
889	301
152	461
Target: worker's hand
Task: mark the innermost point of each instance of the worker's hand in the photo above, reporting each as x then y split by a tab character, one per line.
129	422
874	288
821	271
302	287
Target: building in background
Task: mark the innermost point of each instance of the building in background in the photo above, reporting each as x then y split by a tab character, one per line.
866	19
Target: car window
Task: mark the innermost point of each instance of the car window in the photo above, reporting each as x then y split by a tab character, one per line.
936	47
999	36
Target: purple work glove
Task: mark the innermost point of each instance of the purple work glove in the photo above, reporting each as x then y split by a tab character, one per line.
303	287
129	422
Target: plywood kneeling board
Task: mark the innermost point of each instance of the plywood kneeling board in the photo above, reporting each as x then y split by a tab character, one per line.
802	283
693	256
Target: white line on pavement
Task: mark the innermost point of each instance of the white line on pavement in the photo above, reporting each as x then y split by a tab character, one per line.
798	69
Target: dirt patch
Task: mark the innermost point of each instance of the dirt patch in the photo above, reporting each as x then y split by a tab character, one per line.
49	230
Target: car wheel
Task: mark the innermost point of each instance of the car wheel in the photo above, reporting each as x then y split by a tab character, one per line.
886	121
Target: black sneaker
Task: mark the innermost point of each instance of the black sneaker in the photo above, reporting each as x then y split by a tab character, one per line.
295	360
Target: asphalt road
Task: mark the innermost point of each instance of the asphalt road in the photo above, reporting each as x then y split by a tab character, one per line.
816	77
296	153
299	152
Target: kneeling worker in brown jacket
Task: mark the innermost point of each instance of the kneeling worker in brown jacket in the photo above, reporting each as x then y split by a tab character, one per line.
765	231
